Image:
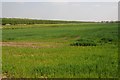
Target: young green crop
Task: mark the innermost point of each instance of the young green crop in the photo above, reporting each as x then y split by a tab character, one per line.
54	57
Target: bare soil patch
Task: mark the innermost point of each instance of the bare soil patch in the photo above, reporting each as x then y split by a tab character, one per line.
28	44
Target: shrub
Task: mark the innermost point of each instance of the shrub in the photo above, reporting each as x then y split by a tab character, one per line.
106	40
90	42
84	42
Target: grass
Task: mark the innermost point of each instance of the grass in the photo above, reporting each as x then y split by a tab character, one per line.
65	61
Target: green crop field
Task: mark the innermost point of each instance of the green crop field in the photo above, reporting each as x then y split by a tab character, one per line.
78	50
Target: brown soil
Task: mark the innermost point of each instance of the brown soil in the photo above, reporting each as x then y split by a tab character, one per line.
27	44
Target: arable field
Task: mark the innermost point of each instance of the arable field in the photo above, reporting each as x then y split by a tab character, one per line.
80	50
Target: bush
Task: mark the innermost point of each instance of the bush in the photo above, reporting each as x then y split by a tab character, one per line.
106	40
90	42
84	42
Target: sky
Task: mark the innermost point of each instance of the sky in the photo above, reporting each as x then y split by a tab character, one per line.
60	0
74	10
119	11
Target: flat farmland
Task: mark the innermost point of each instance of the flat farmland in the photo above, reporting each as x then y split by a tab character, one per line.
79	50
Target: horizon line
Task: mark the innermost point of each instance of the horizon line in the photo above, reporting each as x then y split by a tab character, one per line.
60	19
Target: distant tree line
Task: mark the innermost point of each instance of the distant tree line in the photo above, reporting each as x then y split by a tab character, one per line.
14	21
110	21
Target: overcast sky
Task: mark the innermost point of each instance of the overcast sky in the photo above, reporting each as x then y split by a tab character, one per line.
60	0
83	11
